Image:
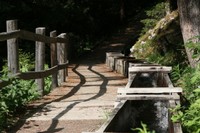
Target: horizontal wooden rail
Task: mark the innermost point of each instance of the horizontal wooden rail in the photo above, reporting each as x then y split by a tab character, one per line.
150	90
4	36
148	97
37	37
150	69
41	74
30	36
35	75
158	93
143	64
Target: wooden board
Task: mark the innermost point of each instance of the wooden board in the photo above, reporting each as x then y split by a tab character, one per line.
142	64
150	69
30	36
35	75
150	90
148	97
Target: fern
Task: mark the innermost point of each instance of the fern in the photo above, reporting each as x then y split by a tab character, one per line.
144	129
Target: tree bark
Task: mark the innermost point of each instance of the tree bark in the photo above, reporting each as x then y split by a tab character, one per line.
189	11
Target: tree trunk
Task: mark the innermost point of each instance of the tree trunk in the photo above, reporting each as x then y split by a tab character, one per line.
189	11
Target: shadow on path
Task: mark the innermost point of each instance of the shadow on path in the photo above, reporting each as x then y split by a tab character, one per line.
102	90
55	120
40	107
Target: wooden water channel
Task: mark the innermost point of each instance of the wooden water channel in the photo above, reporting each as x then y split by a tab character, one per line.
59	48
148	86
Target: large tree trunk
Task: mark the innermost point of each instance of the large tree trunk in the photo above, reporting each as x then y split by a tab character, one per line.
189	11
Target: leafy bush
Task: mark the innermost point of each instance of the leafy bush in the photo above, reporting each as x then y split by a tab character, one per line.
189	79
47	82
168	59
17	94
189	118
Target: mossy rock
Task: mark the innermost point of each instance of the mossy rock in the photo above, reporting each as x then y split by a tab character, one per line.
150	42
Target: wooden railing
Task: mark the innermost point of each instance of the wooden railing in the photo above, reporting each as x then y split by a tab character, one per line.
59	46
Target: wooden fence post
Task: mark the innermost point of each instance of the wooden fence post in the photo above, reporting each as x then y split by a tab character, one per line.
62	57
54	60
12	48
67	53
40	60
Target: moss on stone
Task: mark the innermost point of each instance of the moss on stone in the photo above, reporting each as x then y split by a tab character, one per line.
149	42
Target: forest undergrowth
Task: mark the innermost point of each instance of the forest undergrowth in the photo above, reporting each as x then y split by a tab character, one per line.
15	97
166	48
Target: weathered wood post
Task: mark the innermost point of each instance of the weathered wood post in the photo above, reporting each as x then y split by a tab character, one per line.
67	52
12	48
40	60
54	60
62	57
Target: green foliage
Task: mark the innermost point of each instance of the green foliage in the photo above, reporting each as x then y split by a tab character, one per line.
190	118
17	94
26	62
176	73
194	46
144	129
47	82
189	79
168	59
153	16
